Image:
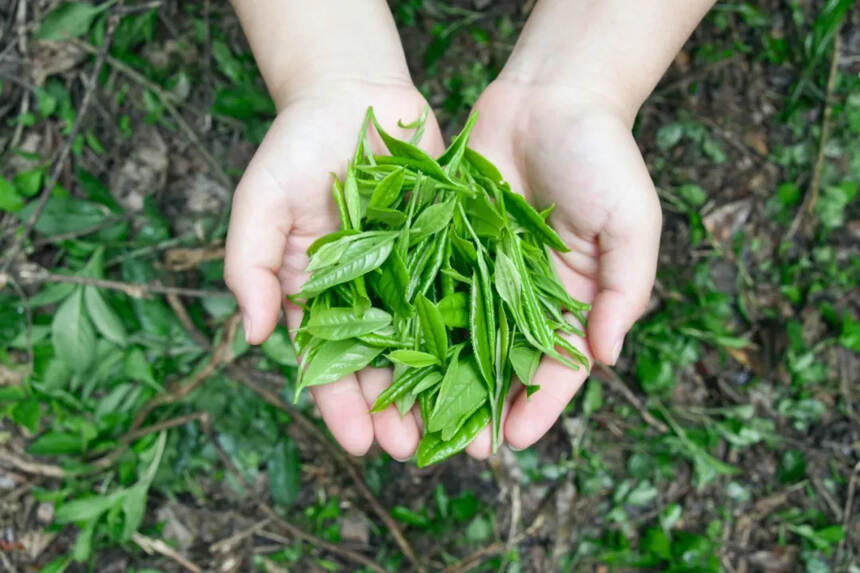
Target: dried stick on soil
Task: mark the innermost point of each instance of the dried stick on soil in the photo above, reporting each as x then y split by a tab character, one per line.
150	546
619	386
4	561
227	543
102	463
31	467
134	290
108	459
804	214
247	378
849	503
296	532
495	548
185	320
59	165
167	100
222	355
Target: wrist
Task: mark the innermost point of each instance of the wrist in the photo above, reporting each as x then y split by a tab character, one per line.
581	86
573	98
334	79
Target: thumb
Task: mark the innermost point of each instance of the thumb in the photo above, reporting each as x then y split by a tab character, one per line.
259	225
628	244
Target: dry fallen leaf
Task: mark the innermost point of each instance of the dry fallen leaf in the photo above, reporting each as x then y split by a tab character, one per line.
50	58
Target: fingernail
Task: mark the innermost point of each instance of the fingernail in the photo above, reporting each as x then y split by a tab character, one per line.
513	448
246	326
616	352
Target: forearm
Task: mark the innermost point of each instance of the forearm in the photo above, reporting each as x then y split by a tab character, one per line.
616	48
298	43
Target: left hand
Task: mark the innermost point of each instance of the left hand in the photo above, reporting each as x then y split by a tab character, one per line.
571	147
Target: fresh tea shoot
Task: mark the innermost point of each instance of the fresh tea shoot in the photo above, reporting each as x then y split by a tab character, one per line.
442	272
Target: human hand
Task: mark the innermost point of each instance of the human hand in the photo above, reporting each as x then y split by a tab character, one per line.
284	202
574	148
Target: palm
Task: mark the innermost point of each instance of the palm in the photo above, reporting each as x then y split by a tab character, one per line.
283	204
584	160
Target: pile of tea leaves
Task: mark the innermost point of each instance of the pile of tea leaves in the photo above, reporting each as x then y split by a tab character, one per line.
443	272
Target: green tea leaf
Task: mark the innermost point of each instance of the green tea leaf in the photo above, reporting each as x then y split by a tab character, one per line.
413	358
454	309
387	191
10	200
361	257
70	20
525	361
336	359
507	280
279	348
483	165
528	217
430	319
461	393
432	449
403	385
391	284
284	469
432	220
104	318
353	201
342	323
88	508
390	217
56	443
454	154
72	334
418	158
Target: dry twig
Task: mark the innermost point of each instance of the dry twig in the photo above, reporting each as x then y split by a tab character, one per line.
804	214
134	290
619	386
849	503
185	320
31	467
247	378
223	354
59	165
293	530
167	100
151	546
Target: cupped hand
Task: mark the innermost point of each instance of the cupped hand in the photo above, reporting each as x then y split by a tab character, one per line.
575	149
283	203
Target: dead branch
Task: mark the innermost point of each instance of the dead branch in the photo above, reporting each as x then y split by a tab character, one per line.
151	546
804	214
31	467
59	165
619	386
185	320
167	100
293	530
134	290
247	378
222	355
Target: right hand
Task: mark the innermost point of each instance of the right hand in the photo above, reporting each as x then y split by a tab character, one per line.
283	203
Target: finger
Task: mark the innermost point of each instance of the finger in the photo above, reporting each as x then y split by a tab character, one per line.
345	412
256	238
532	416
629	244
396	435
341	404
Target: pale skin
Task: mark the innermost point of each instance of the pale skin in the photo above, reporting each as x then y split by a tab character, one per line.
557	122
